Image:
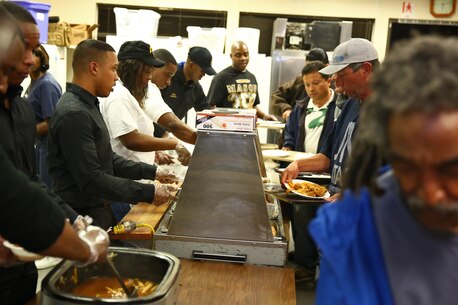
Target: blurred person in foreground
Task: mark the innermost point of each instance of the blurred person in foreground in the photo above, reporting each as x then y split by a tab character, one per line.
85	170
353	64
28	217
284	99
235	86
43	93
392	238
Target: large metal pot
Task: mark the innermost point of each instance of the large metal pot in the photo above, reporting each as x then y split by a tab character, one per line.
159	267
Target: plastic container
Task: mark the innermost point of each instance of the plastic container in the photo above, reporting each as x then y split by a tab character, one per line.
140	23
250	36
40	12
211	38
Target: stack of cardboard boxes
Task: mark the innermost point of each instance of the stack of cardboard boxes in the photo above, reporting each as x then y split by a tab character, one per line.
65	34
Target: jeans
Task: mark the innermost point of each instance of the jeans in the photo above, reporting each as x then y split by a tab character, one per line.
119	209
41	153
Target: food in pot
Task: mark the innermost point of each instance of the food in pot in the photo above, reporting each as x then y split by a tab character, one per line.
308	188
108	287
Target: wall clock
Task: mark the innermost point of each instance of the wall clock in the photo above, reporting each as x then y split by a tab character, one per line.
442	8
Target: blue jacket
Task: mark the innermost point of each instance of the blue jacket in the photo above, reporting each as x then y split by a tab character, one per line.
352	268
294	134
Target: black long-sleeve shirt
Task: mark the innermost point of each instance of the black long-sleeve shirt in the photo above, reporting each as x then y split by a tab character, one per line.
28	216
81	161
17	137
182	96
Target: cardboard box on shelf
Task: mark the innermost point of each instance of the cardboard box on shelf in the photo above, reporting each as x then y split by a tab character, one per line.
80	32
59	34
64	34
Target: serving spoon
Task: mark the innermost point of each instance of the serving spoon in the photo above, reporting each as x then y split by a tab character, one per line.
130	293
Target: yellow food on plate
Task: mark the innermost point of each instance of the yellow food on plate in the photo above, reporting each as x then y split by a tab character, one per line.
307	188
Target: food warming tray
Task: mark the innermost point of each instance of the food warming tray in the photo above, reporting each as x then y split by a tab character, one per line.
221	212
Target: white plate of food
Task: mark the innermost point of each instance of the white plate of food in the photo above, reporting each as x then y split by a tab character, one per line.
21	253
307	189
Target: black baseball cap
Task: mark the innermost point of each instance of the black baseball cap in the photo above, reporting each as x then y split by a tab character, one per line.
139	50
203	58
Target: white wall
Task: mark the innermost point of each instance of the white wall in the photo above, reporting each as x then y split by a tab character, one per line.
85	11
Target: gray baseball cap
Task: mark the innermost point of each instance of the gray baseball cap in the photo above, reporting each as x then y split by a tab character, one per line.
351	51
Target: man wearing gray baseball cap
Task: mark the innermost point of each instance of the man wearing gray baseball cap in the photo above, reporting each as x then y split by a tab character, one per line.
352	65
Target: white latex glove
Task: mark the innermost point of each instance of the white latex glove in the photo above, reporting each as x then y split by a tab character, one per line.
95	238
81	223
184	156
165	175
171	187
163	158
161	194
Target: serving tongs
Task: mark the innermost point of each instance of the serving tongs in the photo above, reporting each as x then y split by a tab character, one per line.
130	293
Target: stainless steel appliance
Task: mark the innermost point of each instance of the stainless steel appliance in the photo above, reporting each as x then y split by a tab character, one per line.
144	264
221	212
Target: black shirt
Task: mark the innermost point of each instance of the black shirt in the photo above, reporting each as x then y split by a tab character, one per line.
17	137
28	217
81	162
182	96
18	131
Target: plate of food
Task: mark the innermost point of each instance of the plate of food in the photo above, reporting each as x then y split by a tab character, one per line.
307	189
21	253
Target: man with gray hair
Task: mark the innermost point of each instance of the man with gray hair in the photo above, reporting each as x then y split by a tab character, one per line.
392	238
352	64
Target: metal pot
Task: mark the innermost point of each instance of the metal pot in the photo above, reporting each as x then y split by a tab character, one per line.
159	267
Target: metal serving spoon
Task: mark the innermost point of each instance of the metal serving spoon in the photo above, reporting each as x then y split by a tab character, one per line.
130	293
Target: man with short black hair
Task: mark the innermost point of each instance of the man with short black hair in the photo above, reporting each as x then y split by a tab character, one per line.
185	92
87	174
284	99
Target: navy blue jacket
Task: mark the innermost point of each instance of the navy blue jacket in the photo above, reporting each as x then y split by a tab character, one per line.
294	134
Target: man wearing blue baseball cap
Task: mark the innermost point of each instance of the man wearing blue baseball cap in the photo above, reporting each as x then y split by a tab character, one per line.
185	92
353	63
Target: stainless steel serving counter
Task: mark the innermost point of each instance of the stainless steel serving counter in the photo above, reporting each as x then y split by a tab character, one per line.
221	212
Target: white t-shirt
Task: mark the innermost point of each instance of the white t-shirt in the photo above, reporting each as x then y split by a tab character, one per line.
122	115
155	106
314	121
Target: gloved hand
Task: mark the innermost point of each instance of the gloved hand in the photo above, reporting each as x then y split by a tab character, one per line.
184	156
163	158
95	238
165	175
161	195
171	187
81	223
269	117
